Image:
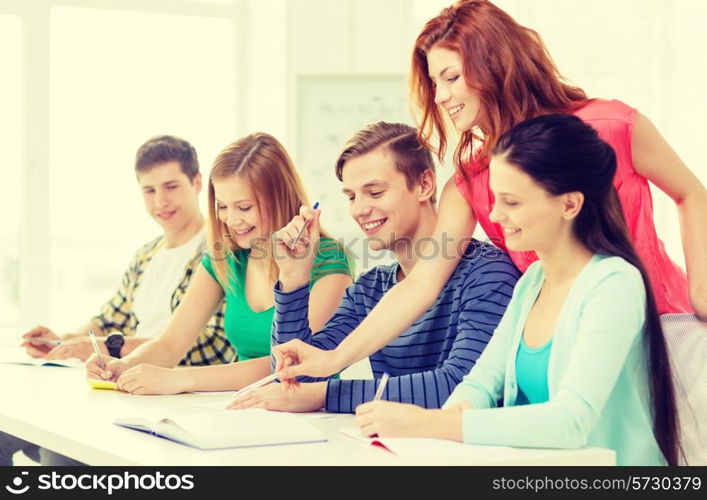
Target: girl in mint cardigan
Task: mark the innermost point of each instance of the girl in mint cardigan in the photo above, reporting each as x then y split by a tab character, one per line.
579	358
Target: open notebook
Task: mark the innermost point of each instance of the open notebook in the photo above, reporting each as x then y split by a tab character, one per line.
209	430
428	448
18	356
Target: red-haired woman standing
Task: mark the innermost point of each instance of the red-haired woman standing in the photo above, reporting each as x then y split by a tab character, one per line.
476	66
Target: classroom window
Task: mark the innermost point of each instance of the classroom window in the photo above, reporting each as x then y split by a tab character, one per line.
118	78
11	132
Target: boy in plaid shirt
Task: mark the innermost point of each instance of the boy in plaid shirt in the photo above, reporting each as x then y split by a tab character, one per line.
154	283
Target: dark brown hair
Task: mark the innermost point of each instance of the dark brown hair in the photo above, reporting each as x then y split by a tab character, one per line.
563	154
166	148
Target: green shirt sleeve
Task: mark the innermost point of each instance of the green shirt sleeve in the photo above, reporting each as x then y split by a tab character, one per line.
206	262
332	258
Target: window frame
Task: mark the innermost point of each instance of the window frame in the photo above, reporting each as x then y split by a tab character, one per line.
35	250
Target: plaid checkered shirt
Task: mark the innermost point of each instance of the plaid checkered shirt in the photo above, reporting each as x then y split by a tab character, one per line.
211	347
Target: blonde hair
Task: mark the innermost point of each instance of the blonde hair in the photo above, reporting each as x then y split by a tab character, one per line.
261	160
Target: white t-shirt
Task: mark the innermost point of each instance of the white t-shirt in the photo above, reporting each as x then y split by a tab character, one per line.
152	303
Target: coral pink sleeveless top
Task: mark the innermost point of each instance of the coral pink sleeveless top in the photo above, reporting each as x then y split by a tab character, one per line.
614	121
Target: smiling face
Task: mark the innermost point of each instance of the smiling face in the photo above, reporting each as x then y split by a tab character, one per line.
532	218
380	201
171	199
452	93
237	208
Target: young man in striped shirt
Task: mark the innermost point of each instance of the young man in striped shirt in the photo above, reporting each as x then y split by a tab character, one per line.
389	180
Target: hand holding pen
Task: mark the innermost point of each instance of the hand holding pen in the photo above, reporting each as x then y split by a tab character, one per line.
250	388
365	413
112	370
302	229
310	217
295	246
96	350
39	341
379	418
102	381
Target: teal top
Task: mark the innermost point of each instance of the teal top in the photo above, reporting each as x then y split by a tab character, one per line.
531	372
249	331
597	370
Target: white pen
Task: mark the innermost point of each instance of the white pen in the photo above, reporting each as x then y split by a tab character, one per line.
263	381
381	386
44	341
101	363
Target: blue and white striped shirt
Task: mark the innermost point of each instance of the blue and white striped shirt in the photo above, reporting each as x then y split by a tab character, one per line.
431	357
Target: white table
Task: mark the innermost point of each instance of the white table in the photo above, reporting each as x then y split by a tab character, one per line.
55	408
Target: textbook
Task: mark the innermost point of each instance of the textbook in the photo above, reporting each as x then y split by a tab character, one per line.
208	430
18	356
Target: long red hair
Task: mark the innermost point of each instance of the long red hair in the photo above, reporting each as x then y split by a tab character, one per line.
504	62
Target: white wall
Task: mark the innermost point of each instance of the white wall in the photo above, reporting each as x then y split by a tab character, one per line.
650	53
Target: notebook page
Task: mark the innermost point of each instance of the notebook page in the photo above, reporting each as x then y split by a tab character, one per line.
426	447
18	355
235	428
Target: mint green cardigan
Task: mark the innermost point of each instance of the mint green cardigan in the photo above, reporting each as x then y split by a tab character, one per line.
597	371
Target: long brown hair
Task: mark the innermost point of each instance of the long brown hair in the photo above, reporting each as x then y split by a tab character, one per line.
261	160
504	62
